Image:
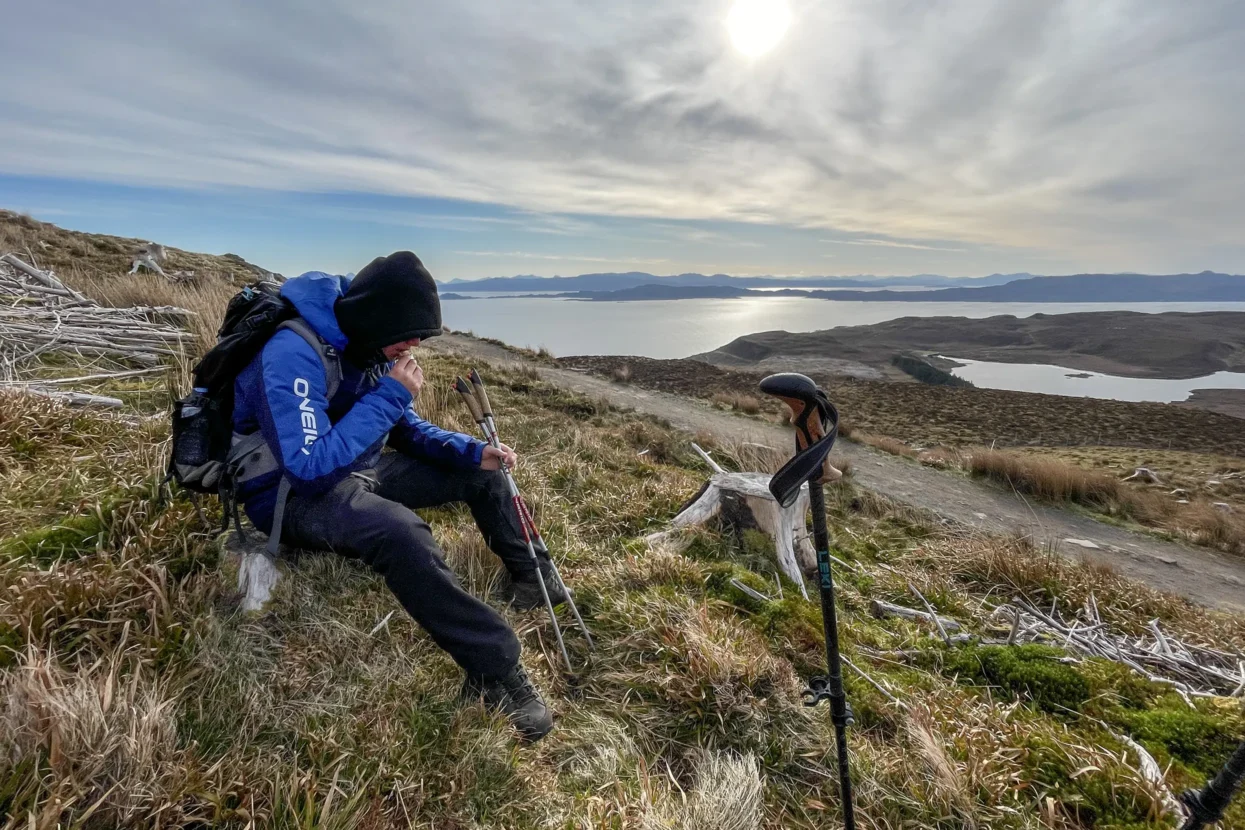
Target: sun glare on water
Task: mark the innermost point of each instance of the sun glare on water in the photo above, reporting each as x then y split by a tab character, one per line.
756	26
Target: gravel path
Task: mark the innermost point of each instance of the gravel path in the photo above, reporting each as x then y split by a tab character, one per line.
1202	575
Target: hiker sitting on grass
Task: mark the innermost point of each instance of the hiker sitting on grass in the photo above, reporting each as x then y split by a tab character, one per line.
346	496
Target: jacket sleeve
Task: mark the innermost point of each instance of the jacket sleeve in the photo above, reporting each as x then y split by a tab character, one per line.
414	436
315	453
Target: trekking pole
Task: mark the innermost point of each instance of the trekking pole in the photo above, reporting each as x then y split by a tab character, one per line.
477	413
816	423
525	513
1206	806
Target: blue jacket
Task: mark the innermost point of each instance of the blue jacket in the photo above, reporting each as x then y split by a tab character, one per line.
319	442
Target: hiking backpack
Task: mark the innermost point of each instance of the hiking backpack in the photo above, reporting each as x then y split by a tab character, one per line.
206	455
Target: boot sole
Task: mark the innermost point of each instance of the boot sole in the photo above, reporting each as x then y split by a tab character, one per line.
532	736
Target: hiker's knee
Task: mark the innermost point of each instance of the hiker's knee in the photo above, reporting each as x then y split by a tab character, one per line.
407	539
487	483
387	534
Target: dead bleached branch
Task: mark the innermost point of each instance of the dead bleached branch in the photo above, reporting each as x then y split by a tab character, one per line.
40	314
1192	670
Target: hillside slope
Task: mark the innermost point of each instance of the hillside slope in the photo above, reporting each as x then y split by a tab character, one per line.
173	708
93	255
134	692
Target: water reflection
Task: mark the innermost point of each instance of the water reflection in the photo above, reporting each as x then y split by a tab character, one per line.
1060	380
681	328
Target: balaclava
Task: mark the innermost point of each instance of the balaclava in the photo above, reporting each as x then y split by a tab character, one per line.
391	300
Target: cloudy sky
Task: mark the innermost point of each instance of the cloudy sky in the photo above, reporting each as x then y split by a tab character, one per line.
960	137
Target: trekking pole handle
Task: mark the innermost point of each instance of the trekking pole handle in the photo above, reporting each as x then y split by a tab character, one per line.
806	418
464	389
481	396
812	415
806	402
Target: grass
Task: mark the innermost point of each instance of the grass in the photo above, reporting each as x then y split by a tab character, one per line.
748	404
1053	480
206	299
134	693
173	708
1208	510
884	443
1045	478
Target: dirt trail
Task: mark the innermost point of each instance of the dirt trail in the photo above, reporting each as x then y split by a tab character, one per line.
1202	575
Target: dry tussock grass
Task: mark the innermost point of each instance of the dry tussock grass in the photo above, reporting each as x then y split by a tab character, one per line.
1045	478
207	298
1058	481
727	794
959	566
748	404
947	782
108	733
1055	480
748	456
885	443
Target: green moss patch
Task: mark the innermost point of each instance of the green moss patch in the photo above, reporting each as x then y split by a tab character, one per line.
73	537
1029	671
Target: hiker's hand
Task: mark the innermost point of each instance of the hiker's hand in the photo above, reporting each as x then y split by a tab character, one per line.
407	372
494	456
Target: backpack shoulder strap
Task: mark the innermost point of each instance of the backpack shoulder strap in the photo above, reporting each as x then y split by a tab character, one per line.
327	354
332	380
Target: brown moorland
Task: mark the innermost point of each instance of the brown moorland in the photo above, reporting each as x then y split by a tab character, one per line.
928	415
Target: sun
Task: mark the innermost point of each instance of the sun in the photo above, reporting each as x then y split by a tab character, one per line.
756	26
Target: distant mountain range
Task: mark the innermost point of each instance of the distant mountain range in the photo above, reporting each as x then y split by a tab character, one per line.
635	279
1206	287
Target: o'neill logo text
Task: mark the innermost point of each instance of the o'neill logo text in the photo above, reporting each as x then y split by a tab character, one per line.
310	432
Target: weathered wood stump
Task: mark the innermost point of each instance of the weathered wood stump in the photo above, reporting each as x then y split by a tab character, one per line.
742	501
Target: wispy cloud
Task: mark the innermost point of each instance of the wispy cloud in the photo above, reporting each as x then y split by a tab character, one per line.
892	243
1107	132
560	257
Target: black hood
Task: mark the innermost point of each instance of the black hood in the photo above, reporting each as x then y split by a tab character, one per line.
391	300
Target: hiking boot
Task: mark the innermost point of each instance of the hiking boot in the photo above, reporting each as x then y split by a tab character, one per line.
525	589
516	697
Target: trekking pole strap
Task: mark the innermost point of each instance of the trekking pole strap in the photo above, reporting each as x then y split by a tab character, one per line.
278	516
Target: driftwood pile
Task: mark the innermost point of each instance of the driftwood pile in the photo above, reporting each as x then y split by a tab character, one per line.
39	315
1192	670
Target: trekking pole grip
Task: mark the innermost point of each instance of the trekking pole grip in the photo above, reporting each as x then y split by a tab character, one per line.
481	396
811	411
464	389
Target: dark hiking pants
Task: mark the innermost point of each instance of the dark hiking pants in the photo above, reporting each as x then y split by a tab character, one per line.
372	520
